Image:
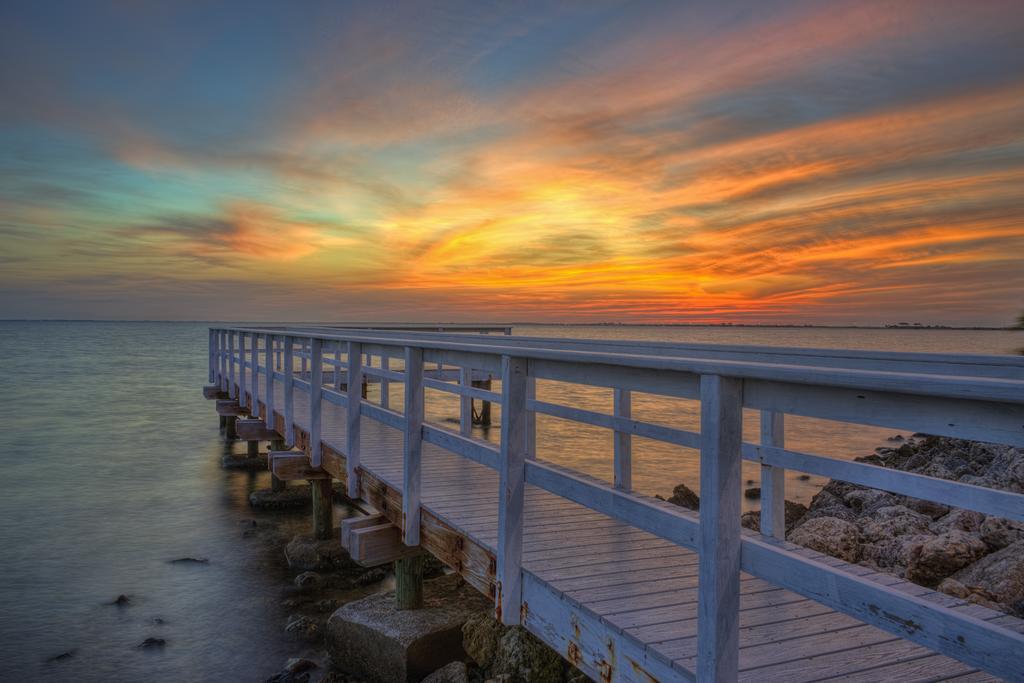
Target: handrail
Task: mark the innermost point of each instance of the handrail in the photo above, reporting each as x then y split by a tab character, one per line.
959	405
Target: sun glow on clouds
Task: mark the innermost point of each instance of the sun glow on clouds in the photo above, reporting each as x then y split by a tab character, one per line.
599	163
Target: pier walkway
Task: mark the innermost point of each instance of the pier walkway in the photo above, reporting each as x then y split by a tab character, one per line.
627	587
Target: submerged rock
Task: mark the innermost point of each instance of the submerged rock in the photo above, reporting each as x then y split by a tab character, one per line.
121	601
190	560
63	656
290	498
152	643
310	554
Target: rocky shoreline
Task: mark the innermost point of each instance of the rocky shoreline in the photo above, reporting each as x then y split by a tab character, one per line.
976	557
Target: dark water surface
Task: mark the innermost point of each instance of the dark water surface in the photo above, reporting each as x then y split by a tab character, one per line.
111	468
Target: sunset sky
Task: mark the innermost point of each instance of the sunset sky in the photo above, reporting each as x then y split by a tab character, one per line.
765	162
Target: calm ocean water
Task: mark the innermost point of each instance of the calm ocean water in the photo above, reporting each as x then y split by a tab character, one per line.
112	469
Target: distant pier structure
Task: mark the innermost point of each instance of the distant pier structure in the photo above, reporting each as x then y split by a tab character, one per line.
625	586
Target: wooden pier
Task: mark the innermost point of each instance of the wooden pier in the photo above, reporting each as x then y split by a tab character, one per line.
627	587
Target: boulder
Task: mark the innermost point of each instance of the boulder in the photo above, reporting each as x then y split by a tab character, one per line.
794	513
997	533
963	520
829	535
374	641
684	497
1001	575
892	521
480	635
942	556
524	657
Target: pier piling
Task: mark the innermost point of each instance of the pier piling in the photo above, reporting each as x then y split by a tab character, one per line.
409	582
323	508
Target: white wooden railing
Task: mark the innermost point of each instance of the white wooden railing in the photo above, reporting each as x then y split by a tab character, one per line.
966	396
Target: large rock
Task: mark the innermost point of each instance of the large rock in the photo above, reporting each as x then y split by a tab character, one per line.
372	639
794	513
891	521
1001	575
942	556
829	535
524	657
480	635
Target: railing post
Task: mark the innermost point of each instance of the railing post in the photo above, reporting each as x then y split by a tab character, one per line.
465	402
241	370
316	380
268	398
222	360
531	419
623	407
511	490
413	445
254	378
213	355
721	439
289	391
354	393
773	479
385	384
305	359
231	365
337	366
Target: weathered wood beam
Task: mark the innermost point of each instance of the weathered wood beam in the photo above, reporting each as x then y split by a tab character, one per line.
375	545
229	407
351	523
253	429
294	465
212	392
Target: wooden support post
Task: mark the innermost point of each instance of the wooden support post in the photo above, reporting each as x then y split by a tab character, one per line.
289	391
275	483
465	403
511	490
316	382
229	427
718	597
623	407
413	445
773	479
223	421
323	508
355	378
409	582
252	449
